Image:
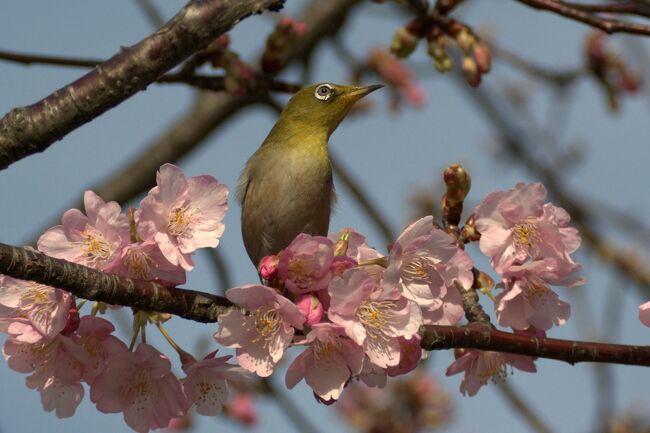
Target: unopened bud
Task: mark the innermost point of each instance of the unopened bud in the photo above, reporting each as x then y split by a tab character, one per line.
404	42
341	246
482	56
268	267
458	182
72	321
471	72
469	233
311	308
465	39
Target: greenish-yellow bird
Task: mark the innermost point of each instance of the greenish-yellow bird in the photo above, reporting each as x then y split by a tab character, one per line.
286	187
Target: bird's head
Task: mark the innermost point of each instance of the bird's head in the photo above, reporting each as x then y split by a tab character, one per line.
324	105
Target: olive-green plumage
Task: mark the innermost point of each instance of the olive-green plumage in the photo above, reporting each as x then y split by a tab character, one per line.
286	187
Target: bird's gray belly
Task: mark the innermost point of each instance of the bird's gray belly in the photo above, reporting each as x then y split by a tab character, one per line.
298	202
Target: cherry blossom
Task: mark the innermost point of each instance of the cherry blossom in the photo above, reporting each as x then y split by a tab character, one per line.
516	225
480	366
372	316
92	240
418	262
183	214
145	261
328	362
206	384
305	263
140	384
261	335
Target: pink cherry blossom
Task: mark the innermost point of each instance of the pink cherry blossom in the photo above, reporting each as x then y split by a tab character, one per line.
417	263
206	384
372	316
305	263
358	248
527	300
140	384
447	310
145	261
32	310
268	267
182	214
372	375
328	362
516	225
93	240
56	370
94	335
262	334
480	366
644	313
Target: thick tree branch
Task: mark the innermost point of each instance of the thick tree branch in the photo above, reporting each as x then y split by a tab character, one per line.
586	14
87	283
477	336
94	285
28	130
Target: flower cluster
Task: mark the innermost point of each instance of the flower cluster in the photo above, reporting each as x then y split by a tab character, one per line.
530	244
359	312
60	350
283	38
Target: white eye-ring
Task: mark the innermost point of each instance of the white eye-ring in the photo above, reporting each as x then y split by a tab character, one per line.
323	92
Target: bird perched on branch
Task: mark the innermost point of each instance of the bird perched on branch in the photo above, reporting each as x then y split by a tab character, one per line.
286	187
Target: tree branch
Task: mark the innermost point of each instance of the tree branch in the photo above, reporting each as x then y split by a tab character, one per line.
28	130
482	337
585	14
94	285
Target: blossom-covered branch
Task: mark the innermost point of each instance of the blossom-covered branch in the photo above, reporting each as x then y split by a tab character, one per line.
87	283
91	284
435	337
28	130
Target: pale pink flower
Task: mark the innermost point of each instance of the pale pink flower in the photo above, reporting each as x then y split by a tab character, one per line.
32	310
417	263
516	225
94	336
447	310
372	316
480	366
182	214
372	375
305	263
56	370
92	240
311	308
410	356
527	300
242	409
644	313
140	384
145	261
327	364
206	384
262	334
358	248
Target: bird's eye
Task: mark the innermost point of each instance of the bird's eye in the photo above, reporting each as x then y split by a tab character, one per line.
323	92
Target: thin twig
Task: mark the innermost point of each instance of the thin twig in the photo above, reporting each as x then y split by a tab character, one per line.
569	10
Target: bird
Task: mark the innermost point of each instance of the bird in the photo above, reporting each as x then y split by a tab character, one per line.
286	186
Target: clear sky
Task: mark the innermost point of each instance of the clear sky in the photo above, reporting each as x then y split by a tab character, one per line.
390	154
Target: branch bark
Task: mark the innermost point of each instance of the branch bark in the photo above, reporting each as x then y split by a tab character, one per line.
28	130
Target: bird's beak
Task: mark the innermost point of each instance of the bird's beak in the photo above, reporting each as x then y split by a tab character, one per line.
359	92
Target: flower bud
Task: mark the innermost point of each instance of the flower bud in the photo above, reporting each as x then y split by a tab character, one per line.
72	322
268	267
482	56
311	308
404	42
471	72
341	246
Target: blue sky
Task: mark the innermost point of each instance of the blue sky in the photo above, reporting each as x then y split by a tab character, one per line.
390	154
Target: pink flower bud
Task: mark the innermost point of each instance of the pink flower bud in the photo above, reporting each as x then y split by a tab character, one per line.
342	263
311	308
471	72
404	42
72	322
268	267
483	57
300	28
285	23
242	408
